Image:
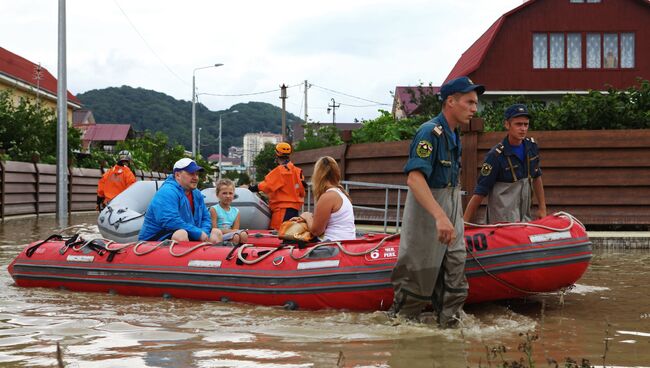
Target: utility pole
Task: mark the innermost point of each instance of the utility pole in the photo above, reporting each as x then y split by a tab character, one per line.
283	97
62	125
333	108
306	114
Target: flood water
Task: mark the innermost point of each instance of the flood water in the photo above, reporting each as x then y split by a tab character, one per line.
605	319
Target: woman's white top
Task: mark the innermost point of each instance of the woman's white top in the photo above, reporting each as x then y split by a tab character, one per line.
341	223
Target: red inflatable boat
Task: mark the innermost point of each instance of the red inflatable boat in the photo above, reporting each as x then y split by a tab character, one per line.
503	262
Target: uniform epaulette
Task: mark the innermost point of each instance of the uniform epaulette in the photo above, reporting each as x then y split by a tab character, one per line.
437	130
499	148
531	139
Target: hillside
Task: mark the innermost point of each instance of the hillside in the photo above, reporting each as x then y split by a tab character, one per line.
150	110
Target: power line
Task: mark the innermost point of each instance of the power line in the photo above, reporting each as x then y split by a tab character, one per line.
147	44
348	105
249	94
348	95
241	94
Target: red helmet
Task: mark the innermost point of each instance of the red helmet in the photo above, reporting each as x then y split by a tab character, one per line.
283	149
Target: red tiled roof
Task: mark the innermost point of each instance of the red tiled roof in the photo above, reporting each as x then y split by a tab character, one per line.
22	69
406	95
472	58
106	132
215	157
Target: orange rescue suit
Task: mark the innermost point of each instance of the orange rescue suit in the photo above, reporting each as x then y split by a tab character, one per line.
283	186
114	181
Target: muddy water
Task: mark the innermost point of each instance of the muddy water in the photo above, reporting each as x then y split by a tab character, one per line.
611	304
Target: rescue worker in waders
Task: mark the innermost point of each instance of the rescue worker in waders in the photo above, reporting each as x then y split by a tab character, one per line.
115	180
510	174
430	268
285	187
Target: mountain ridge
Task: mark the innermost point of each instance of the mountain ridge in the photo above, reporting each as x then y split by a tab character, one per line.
155	111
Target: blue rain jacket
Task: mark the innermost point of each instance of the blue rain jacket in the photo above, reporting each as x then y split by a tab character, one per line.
170	210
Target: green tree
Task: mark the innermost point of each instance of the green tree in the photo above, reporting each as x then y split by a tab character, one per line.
385	128
264	161
318	136
28	131
238	178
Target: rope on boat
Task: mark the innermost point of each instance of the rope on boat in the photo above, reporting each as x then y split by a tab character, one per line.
504	282
120	247
572	220
171	249
87	242
158	245
342	248
311	249
256	260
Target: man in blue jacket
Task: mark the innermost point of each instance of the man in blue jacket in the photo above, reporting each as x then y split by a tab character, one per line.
178	210
510	174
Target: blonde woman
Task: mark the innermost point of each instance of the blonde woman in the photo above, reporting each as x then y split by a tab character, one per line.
333	218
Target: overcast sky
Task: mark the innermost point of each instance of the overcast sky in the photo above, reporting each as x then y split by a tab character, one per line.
361	48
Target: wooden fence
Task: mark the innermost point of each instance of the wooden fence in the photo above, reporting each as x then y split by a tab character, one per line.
602	177
27	188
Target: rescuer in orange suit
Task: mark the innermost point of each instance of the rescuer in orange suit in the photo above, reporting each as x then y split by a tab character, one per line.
115	180
285	187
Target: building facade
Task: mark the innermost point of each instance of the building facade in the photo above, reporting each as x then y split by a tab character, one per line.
548	48
26	79
254	143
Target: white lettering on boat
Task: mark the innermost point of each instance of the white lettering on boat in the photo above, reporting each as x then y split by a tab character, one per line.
203	263
381	254
72	258
318	264
550	236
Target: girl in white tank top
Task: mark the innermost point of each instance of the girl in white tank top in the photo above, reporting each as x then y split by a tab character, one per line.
341	223
329	222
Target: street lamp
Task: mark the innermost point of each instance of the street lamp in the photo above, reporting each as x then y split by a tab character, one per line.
220	157
194	105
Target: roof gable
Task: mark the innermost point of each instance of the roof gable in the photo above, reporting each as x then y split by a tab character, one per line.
408	96
107	132
474	56
23	70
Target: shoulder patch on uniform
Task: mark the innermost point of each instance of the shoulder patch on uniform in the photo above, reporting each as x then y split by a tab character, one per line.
424	149
486	169
437	130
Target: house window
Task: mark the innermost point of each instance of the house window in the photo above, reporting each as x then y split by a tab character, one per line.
610	50
627	50
602	50
593	50
557	50
540	49
574	50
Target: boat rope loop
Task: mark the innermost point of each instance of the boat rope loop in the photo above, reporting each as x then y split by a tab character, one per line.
572	221
502	281
241	258
310	250
30	251
171	249
162	243
99	245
